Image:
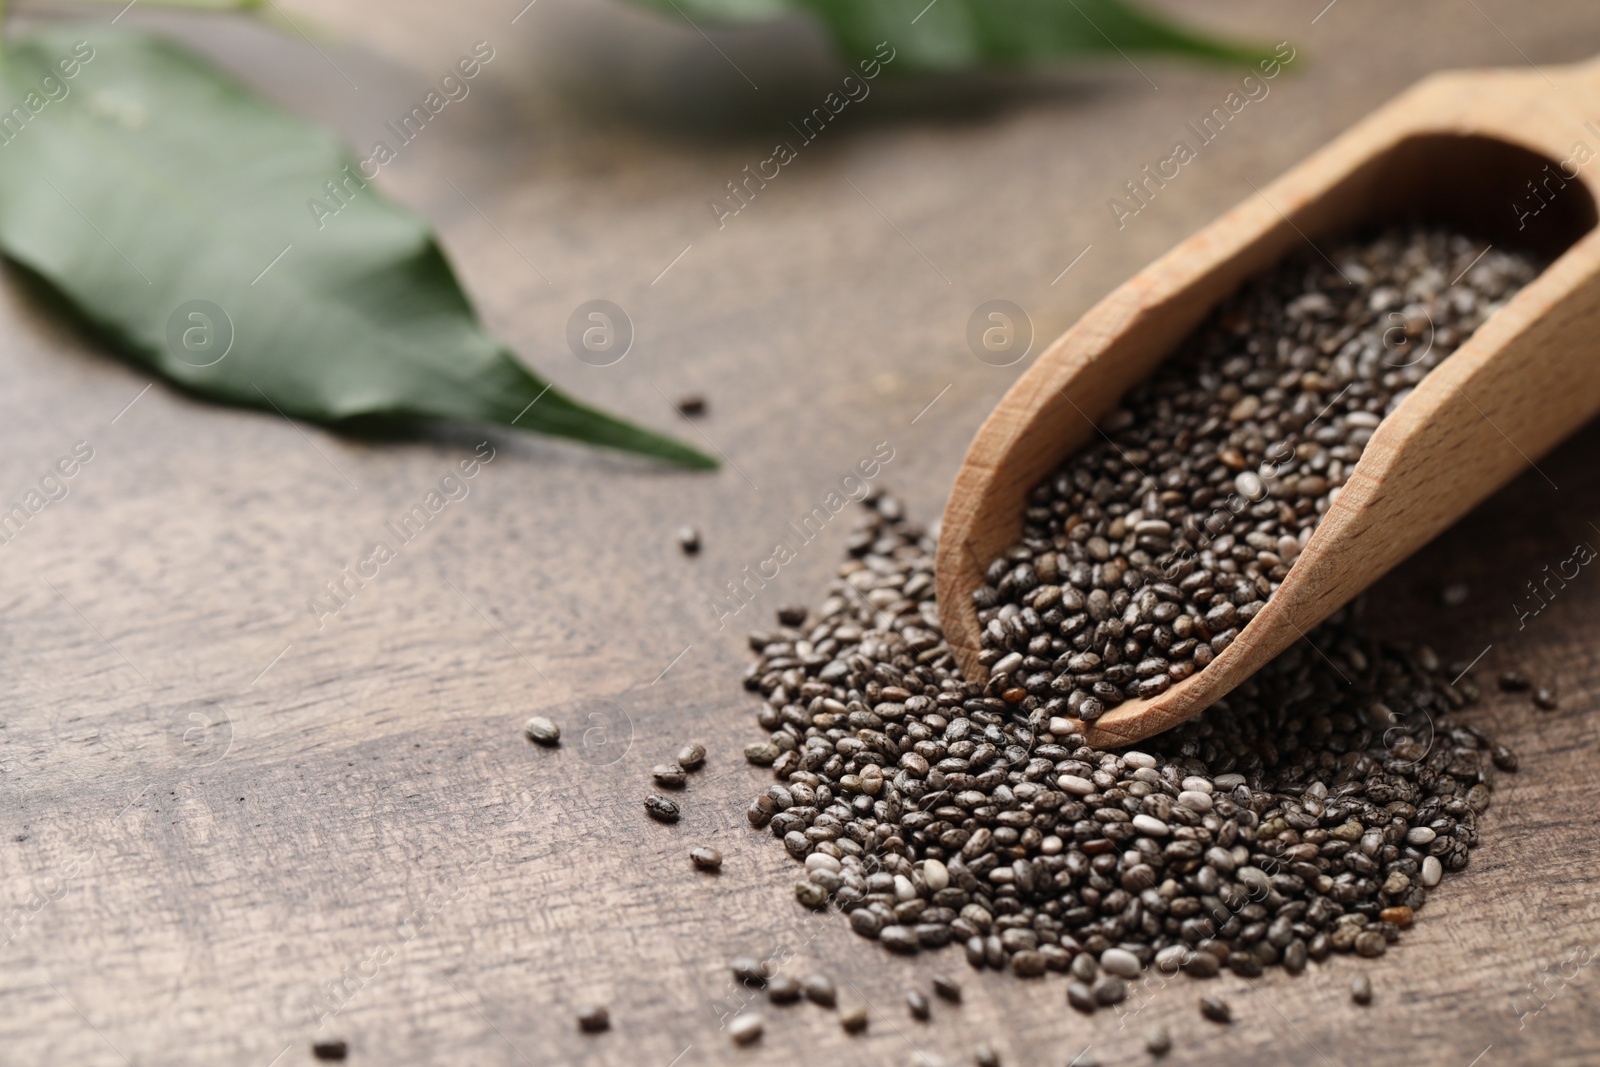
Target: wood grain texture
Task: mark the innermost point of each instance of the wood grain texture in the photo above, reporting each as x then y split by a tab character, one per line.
355	805
1466	147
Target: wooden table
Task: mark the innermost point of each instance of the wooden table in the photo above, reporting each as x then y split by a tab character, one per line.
220	815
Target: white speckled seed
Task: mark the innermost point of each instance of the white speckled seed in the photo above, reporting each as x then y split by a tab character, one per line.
745	1028
1120	962
821	861
1149	824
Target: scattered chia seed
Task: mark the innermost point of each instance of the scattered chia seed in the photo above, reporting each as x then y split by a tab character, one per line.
594	1019
1216	1009
669	774
691	405
1158	1040
335	1049
854	1019
745	1029
749	971
1081	997
792	614
692	757
542	731
660	808
947	988
917	1004
689	540
706	859
986	1056
1545	698
1514	682
819	989
783	989
1454	595
1361	989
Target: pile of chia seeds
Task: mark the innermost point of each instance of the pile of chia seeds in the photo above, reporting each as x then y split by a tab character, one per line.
1309	812
1144	555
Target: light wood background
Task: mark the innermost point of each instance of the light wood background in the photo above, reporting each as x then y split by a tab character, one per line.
355	804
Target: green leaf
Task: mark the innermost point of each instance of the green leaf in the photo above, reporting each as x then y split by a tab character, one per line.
174	209
954	34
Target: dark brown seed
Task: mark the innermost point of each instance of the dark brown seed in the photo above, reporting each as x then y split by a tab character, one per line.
762	753
541	730
749	971
660	808
1108	989
986	1056
746	1028
692	757
1028	963
783	989
792	614
854	1019
1361	989
917	1004
819	989
1216	1009
332	1049
947	988
1504	758
899	939
705	858
1081	997
691	405
669	774
593	1019
1514	681
811	894
689	540
1545	697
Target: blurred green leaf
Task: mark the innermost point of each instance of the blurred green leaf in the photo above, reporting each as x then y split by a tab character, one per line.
954	34
173	208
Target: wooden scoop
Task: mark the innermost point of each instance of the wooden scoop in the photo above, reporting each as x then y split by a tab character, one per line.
1513	155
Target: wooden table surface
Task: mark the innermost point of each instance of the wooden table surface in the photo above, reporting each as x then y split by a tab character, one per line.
229	830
